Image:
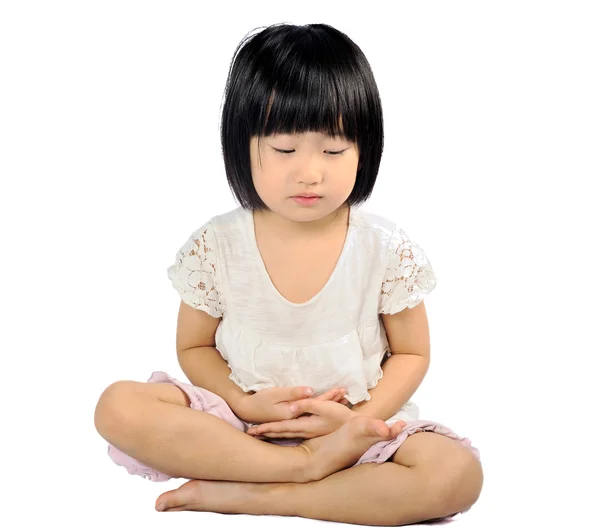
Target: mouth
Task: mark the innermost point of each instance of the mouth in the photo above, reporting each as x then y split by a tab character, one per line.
306	200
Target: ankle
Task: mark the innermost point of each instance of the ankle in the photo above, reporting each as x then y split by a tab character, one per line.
306	470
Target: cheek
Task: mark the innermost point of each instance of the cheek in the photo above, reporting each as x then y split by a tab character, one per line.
352	164
267	185
271	172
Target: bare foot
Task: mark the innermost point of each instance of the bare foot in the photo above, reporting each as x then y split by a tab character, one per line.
214	496
342	448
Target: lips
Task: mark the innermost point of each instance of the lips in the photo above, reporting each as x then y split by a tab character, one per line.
306	201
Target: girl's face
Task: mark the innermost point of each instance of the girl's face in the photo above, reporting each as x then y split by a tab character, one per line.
314	163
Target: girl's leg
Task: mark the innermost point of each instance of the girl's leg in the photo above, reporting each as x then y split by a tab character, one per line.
429	477
153	423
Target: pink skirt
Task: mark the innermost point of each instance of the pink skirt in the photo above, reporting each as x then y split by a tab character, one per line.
207	401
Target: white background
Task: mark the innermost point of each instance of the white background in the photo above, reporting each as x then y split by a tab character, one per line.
110	157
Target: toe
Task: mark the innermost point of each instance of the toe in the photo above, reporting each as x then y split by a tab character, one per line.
369	427
383	430
397	428
168	500
377	428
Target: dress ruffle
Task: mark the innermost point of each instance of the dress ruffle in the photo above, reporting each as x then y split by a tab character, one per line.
352	361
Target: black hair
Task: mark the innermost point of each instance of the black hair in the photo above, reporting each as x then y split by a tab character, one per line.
293	79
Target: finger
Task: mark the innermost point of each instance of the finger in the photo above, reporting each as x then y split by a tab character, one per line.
277	427
309	406
337	394
267	427
296	392
285	435
331	395
302	424
303	427
341	396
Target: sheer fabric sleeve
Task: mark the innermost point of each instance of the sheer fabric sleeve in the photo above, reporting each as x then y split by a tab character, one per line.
408	277
195	273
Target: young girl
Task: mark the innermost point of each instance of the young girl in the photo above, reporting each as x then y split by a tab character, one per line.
298	287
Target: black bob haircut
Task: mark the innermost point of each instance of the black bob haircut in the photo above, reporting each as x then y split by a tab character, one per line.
293	79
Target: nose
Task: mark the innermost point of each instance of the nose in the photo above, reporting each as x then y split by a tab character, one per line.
309	180
310	173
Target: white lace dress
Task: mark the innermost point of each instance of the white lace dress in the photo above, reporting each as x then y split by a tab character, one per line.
337	338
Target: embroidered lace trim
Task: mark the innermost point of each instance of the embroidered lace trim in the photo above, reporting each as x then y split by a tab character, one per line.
194	273
408	277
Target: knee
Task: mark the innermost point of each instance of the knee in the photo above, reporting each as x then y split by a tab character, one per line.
112	411
456	484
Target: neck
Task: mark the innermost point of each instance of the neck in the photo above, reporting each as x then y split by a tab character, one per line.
285	228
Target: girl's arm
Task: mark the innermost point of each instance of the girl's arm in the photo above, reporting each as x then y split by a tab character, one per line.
198	357
408	336
206	368
402	375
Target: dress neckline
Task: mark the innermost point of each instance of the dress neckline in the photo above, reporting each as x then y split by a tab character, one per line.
249	218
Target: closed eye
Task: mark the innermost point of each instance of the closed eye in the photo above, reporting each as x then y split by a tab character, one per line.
292	151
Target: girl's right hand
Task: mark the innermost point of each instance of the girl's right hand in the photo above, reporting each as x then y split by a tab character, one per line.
273	404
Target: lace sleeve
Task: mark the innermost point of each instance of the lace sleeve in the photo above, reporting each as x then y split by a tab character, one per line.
195	273
408	277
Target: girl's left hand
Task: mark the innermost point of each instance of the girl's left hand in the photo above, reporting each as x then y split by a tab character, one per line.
324	417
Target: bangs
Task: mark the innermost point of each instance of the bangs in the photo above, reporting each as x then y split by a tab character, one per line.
311	102
311	84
